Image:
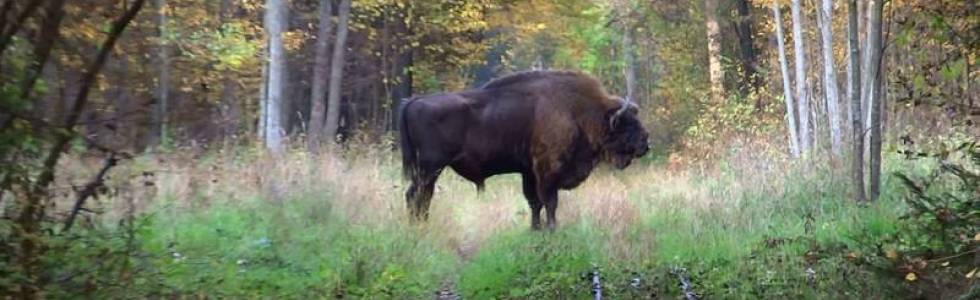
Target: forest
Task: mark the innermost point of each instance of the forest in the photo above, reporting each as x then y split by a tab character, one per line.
812	149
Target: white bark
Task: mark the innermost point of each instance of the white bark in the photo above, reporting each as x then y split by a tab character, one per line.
787	91
802	97
715	72
275	19
866	75
830	75
336	72
630	69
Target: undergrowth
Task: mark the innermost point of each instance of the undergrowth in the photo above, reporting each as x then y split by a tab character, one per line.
241	227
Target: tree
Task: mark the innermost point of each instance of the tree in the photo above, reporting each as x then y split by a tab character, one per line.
787	91
402	73
321	69
624	9
874	86
30	181
162	93
802	98
230	110
715	71
854	92
825	18
336	72
746	47
275	16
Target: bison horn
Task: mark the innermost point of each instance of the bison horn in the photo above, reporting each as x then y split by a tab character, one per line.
624	105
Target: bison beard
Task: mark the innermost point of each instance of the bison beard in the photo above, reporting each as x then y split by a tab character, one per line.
552	127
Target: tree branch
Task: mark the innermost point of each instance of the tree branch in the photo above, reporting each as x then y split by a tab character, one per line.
33	210
47	173
89	190
8	32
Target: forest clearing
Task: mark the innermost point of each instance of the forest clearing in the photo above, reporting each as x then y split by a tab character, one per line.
742	149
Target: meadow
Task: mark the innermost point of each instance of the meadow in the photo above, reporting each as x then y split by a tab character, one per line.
245	224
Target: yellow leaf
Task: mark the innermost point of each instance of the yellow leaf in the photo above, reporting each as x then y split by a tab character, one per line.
972	273
977	237
890	253
541	26
911	277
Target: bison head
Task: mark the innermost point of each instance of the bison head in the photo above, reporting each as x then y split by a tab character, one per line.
625	138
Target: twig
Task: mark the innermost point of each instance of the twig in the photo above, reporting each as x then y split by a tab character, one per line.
975	250
89	190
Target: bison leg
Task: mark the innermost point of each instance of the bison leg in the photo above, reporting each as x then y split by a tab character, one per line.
547	192
532	200
419	196
551	206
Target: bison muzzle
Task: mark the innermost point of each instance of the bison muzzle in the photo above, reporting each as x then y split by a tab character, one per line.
552	127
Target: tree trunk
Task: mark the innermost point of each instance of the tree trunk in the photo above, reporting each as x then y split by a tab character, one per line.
630	68
263	96
825	16
32	211
854	92
787	91
866	80
321	69
715	71
874	43
336	72
802	98
230	108
275	16
402	75
158	134
747	48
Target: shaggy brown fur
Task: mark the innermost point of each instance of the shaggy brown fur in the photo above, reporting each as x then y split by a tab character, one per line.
553	127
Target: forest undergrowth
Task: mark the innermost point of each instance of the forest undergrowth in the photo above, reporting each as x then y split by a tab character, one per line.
239	223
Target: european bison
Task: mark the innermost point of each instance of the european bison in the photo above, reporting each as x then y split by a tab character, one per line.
552	127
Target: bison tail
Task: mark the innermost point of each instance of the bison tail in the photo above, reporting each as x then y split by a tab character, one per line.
409	155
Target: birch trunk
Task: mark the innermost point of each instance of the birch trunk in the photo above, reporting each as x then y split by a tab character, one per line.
802	98
275	16
715	71
787	91
630	69
830	75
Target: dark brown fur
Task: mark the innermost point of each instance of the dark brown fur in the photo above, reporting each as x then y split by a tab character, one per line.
552	127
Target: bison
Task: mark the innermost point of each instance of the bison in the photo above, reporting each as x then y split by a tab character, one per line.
552	127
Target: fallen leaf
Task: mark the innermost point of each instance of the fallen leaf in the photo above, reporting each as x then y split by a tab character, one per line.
977	237
945	264
890	253
911	277
972	273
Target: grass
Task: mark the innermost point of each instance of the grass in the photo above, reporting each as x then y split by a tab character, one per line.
243	225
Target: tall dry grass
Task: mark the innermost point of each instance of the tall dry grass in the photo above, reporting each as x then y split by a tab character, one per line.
363	184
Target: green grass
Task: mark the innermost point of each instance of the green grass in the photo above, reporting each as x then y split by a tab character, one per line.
736	235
